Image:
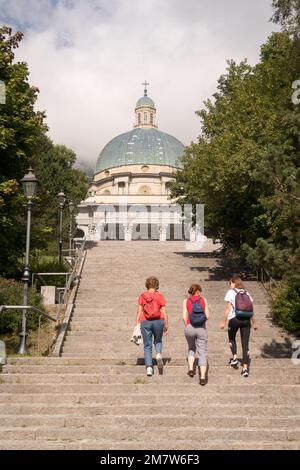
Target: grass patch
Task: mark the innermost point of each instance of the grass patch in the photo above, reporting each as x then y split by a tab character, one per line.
140	381
36	346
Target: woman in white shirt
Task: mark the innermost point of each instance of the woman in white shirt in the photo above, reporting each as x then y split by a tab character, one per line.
235	323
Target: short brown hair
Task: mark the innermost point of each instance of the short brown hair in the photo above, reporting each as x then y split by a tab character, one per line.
194	288
238	282
152	283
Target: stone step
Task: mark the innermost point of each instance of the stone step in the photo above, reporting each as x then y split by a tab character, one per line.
219	360
175	323
176	336
289	391
90	300
130	423
163	444
171	348
176	329
99	308
137	378
258	369
135	358
141	433
108	318
196	399
93	410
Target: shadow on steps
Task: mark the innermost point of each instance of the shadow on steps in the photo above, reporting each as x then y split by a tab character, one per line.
275	349
225	267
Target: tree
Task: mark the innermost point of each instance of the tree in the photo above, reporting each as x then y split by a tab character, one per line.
287	13
245	167
20	126
54	168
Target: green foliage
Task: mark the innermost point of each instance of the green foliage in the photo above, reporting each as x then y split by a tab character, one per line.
53	166
11	293
285	306
20	125
245	166
287	13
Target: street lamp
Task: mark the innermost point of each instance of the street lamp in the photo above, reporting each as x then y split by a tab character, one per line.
61	200
29	183
71	209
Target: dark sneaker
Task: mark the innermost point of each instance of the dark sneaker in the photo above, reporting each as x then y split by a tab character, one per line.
245	373
233	362
202	382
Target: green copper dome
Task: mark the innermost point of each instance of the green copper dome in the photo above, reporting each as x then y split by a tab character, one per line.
145	101
141	146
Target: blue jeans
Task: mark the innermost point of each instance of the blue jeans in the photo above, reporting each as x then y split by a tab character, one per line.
151	328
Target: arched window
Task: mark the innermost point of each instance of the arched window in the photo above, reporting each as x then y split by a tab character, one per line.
139	118
121	187
145	118
151	118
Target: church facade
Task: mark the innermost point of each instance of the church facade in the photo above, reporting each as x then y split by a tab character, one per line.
129	196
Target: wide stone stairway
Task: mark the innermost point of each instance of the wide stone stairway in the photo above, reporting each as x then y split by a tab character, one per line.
97	396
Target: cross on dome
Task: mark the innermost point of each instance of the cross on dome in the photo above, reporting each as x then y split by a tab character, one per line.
145	85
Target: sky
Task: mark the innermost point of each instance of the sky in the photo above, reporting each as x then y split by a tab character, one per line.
90	57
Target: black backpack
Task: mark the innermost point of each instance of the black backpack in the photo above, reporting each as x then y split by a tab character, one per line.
197	316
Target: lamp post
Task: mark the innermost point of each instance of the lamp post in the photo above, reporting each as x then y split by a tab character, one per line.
61	200
29	183
71	209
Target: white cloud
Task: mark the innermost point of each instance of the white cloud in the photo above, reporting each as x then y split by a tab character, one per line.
89	57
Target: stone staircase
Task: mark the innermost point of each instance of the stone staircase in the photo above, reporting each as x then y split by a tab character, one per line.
97	396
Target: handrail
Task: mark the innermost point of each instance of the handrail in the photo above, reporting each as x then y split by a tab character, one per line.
26	307
71	278
47	274
78	265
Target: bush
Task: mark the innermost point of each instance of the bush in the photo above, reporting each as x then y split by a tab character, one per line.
286	306
11	293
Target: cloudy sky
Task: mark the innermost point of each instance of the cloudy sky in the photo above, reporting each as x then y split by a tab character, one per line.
89	58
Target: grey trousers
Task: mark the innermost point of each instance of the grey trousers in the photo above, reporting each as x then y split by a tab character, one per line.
197	343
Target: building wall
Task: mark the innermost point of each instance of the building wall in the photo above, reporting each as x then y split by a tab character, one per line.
133	180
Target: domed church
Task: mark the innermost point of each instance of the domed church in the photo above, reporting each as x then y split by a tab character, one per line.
129	196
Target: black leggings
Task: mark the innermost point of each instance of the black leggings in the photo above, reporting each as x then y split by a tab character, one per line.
245	327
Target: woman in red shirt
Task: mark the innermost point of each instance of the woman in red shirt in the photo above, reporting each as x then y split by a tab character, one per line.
152	315
195	313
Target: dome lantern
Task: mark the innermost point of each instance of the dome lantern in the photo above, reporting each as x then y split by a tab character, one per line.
145	111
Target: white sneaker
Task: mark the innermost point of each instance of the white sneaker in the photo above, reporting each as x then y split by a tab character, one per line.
149	371
159	360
